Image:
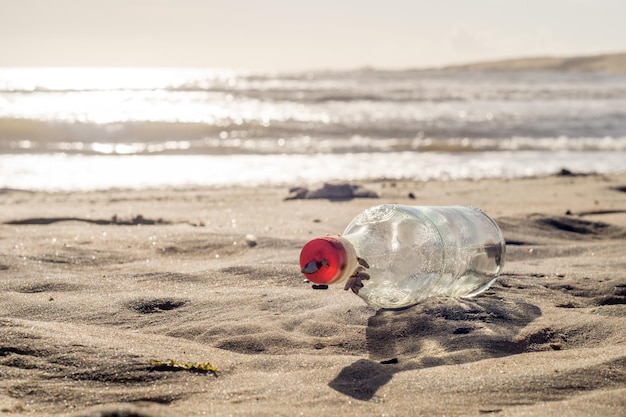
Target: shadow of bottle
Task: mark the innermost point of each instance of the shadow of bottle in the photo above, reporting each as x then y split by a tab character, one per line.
455	331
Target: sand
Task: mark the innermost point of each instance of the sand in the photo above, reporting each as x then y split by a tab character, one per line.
96	286
605	63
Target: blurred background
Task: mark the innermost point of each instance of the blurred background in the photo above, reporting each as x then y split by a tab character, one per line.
164	93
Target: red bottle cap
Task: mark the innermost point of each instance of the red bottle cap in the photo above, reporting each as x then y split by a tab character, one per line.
323	260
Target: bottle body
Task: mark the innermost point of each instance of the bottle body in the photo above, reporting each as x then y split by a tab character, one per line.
414	253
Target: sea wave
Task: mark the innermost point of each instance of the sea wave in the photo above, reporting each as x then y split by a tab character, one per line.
61	172
211	112
152	138
321	86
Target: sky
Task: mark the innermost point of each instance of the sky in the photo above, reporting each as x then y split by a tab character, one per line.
297	35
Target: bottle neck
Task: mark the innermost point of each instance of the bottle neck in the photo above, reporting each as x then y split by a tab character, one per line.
352	262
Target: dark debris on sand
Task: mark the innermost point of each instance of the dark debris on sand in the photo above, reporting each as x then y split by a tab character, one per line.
332	192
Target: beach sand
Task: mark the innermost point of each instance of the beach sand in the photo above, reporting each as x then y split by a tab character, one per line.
96	286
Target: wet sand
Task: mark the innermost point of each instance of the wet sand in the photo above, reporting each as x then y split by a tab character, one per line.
95	287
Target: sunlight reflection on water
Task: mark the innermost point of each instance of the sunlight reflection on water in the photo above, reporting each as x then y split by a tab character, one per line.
80	172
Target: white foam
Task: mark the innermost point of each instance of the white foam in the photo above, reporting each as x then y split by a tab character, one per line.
60	172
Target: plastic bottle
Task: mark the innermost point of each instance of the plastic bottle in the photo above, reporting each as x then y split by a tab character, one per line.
395	256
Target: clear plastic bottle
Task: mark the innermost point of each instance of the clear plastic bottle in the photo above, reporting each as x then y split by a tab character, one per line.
395	256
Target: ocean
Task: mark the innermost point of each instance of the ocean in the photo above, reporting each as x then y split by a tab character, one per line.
99	128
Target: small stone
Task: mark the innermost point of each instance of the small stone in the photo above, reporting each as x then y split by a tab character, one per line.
251	240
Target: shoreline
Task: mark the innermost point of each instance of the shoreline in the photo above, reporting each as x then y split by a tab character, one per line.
82	173
96	285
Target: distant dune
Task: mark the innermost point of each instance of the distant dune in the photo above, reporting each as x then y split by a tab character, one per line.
606	63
